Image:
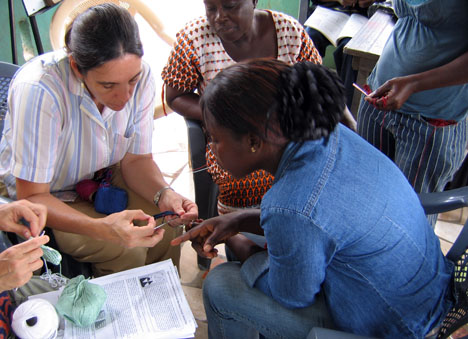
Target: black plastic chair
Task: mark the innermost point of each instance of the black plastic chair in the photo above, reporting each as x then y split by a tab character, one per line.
206	191
70	267
432	203
7	71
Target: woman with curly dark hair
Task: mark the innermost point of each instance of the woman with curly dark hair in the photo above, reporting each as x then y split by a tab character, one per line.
348	243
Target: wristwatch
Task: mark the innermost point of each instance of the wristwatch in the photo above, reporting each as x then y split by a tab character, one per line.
158	195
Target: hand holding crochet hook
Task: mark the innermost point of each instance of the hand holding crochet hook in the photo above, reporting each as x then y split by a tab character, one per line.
391	95
173	219
18	262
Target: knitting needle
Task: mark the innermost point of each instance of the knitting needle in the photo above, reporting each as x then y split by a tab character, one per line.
360	89
164	214
161	225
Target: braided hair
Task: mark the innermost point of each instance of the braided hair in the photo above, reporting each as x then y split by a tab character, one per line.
305	100
311	101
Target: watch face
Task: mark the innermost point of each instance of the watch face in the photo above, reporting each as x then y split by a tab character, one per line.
158	195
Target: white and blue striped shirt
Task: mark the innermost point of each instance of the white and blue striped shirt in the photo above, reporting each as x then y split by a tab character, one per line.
55	134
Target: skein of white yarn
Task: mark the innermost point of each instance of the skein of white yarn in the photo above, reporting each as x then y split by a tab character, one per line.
35	318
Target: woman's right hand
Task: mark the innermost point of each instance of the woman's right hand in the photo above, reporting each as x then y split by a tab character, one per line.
18	262
393	93
209	233
123	232
11	214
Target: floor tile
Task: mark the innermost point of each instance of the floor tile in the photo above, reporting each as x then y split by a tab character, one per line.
447	231
192	281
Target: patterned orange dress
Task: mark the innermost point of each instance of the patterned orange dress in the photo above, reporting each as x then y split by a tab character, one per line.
198	55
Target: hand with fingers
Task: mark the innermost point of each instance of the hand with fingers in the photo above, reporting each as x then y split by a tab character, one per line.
392	94
124	232
12	213
18	262
174	220
209	233
183	207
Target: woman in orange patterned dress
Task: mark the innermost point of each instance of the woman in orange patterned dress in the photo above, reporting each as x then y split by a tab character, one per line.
231	31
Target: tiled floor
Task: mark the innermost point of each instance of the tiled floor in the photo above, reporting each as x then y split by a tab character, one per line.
447	233
170	148
170	151
192	280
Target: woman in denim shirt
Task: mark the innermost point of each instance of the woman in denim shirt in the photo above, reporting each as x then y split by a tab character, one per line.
349	246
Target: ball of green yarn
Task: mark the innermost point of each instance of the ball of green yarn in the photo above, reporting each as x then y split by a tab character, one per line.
81	301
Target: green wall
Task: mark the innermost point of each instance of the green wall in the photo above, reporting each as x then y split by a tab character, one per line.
25	44
293	8
290	7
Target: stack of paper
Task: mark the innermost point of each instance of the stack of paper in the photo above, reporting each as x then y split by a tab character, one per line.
144	302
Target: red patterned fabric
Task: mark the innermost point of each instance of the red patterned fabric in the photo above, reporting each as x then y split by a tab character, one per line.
6	311
245	192
198	56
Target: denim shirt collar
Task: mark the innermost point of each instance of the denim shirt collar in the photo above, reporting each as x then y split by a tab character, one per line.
293	147
288	154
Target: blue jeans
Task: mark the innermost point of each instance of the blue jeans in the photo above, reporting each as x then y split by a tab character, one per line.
235	310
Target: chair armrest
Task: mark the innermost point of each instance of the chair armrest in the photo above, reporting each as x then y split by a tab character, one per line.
439	202
197	143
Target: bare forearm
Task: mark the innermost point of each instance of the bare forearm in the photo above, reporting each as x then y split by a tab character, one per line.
243	247
186	104
142	175
64	218
248	220
117	228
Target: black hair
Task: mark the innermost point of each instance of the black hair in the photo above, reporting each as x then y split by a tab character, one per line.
100	34
305	100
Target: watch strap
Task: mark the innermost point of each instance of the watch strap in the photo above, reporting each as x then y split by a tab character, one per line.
159	193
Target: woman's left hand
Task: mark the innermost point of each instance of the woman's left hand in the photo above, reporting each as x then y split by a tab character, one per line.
173	201
206	235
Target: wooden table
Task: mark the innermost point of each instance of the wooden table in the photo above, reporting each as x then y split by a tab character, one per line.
366	47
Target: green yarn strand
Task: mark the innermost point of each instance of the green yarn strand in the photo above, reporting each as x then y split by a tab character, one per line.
51	255
81	301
